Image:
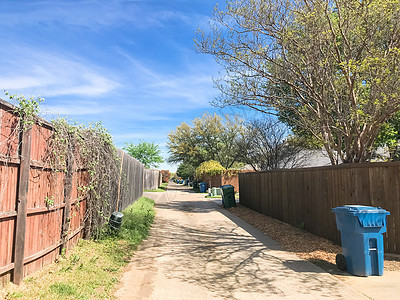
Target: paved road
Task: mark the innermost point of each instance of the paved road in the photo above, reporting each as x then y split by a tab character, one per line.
197	250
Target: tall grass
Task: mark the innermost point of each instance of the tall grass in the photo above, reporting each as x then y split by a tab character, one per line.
93	268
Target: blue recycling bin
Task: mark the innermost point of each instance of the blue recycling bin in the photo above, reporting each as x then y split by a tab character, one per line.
361	229
203	187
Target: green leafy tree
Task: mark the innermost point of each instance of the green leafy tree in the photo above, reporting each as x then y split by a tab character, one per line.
329	67
185	170
211	137
389	137
147	153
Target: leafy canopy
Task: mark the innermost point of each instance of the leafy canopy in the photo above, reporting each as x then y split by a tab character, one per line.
185	170
211	137
329	67
147	153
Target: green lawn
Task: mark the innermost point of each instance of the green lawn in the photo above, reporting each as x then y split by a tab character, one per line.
93	268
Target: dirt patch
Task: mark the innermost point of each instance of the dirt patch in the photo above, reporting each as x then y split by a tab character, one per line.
317	250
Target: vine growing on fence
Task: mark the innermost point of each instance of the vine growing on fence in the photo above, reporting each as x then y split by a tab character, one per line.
95	160
86	151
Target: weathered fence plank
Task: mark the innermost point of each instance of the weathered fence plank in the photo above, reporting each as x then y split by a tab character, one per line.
67	198
20	230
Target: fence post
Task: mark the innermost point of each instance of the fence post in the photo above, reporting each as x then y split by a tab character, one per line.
22	201
67	197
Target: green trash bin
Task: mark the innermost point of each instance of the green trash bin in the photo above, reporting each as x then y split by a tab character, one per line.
228	196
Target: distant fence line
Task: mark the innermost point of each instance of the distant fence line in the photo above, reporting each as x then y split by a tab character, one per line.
152	179
224	179
306	196
131	181
32	232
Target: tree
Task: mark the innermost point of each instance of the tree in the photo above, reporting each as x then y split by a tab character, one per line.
210	138
330	67
210	168
185	170
269	146
166	175
147	153
389	137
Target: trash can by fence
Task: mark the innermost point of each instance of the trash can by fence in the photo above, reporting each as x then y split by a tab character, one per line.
195	184
203	187
216	192
116	220
361	229
228	196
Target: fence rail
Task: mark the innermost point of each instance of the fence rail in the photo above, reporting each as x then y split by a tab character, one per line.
42	209
305	197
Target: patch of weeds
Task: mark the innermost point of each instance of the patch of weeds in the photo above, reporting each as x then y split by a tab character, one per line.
63	289
93	268
162	188
137	221
74	259
15	295
159	190
65	269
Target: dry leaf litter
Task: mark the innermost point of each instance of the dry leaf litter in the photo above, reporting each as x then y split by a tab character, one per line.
317	250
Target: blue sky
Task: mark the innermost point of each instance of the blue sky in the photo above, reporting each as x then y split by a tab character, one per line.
130	64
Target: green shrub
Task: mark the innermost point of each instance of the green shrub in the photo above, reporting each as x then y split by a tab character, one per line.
210	168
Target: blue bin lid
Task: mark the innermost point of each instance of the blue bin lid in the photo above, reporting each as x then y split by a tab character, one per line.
360	209
368	216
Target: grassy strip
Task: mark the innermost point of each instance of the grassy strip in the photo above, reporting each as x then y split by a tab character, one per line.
93	268
162	188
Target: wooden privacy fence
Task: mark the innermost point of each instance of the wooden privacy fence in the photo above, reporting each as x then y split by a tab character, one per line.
38	204
223	179
152	179
42	209
305	197
131	180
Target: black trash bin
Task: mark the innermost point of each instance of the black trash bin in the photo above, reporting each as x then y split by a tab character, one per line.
116	220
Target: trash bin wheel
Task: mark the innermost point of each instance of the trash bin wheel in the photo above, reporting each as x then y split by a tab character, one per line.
341	262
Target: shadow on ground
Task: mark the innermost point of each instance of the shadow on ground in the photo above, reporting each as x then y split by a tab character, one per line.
226	260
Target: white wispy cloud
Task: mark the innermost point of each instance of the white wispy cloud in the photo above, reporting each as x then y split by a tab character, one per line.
33	70
191	85
95	14
75	108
